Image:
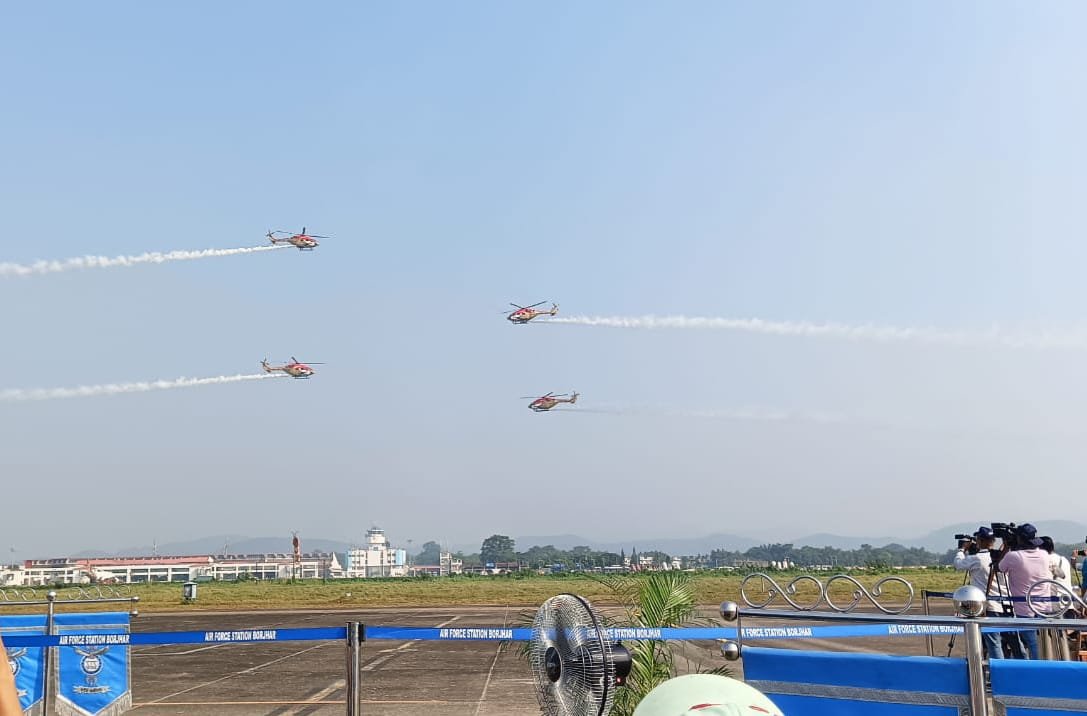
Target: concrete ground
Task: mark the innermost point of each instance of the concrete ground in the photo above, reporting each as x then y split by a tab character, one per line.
398	677
281	678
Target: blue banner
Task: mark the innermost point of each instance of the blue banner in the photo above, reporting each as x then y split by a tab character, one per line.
26	661
110	636
92	668
663	633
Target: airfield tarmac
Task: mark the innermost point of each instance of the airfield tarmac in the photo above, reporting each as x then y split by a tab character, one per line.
281	678
398	677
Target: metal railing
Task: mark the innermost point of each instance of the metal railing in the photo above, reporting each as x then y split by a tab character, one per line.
1048	600
774	590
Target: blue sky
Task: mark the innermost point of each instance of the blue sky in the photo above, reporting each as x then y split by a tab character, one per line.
916	164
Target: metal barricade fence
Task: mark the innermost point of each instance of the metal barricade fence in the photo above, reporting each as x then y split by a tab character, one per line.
889	621
355	634
1053	644
1049	601
79	597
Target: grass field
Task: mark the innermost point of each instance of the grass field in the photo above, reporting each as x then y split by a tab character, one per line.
506	590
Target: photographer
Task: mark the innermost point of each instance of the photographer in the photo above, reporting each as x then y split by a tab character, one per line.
1083	568
1059	565
1025	564
977	565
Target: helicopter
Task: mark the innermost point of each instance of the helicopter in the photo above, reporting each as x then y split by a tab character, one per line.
523	314
294	369
302	241
549	401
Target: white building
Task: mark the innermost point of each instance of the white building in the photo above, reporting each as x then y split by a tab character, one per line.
134	570
447	565
376	559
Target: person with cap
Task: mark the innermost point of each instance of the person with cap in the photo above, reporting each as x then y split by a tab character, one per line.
1025	566
1061	571
705	695
978	567
1059	566
1083	580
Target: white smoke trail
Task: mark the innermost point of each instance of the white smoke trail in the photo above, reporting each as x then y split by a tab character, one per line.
12	395
856	332
154	257
745	414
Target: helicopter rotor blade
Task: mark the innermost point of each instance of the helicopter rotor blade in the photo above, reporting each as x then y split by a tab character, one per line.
536	304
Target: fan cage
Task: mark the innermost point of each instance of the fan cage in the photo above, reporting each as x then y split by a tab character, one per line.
567	625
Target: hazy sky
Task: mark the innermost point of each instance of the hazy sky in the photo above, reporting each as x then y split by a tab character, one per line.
913	164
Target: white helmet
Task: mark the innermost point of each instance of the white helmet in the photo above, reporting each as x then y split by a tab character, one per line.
706	695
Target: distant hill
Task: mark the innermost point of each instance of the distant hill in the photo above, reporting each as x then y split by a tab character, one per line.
1062	531
938	541
223	544
840	541
668	545
943	539
557	541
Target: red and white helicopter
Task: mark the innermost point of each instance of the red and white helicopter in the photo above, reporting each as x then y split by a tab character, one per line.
295	369
523	314
303	241
549	401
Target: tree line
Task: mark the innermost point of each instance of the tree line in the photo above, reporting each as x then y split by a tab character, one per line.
501	550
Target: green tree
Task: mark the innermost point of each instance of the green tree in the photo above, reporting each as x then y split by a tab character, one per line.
610	559
431	553
469	560
497	548
539	557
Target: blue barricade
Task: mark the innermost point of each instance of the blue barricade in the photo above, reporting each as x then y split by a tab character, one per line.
26	660
834	684
467	633
93	665
665	633
30	636
1039	688
92	668
92	678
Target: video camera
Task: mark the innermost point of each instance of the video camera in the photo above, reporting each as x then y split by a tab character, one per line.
1080	552
968	543
1005	531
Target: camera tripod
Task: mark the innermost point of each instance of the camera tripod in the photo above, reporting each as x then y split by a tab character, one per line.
1003	589
965	579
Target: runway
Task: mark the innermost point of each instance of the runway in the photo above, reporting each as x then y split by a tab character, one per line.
288	678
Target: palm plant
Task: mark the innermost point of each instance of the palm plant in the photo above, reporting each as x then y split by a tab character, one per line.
654	599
